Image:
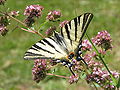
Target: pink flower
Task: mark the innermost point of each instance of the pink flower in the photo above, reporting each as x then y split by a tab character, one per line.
3	30
39	70
93	54
73	79
62	24
103	39
86	45
50	30
2	2
53	15
4	20
29	21
115	74
14	13
103	52
87	57
33	10
102	77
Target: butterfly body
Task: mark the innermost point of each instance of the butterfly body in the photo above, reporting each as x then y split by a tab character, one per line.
64	46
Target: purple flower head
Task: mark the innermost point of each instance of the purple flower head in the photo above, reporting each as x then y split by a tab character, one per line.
92	64
3	30
115	74
87	57
29	21
103	39
103	52
96	76
50	30
53	15
39	70
53	62
86	45
14	13
73	79
93	54
62	24
2	2
102	77
77	65
4	20
33	10
109	87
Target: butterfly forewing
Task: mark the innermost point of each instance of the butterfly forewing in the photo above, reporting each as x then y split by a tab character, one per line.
61	44
73	32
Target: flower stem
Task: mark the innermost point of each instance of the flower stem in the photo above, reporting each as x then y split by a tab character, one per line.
43	24
94	85
57	75
26	26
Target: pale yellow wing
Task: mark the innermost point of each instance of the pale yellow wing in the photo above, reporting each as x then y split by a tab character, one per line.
74	31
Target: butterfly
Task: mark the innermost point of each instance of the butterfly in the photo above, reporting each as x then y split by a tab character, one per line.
62	47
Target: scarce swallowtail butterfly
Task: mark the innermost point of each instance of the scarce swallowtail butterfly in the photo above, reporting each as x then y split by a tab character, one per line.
64	46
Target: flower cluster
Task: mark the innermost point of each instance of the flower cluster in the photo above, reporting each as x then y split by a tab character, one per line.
62	24
14	13
98	74
103	40
29	21
86	45
3	30
4	21
73	79
102	78
53	15
50	30
39	70
90	60
31	12
2	2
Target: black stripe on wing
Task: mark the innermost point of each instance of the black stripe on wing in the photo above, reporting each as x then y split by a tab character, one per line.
75	24
50	44
32	54
68	33
61	42
86	21
81	22
40	48
48	48
35	51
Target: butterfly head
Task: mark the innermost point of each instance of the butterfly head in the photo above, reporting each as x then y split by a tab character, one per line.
71	55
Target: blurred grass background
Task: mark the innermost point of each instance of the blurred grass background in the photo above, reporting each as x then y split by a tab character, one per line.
15	73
